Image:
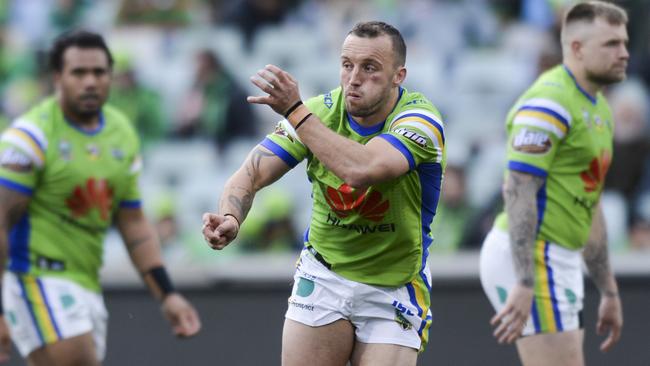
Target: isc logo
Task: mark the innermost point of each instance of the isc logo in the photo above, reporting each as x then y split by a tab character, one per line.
402	309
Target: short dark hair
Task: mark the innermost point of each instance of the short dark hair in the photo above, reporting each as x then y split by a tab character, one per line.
76	38
375	29
590	10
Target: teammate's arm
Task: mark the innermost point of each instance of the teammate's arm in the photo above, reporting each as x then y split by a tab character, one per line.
596	256
13	206
144	250
519	194
261	168
357	164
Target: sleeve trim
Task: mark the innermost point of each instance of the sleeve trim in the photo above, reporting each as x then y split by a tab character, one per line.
527	168
399	145
280	152
16	186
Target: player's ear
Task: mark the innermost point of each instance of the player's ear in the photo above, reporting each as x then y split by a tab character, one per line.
400	75
576	49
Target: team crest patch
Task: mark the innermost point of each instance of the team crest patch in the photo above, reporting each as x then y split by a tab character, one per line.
401	320
532	142
65	150
16	160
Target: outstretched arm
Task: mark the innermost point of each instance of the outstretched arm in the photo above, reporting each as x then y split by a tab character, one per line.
144	250
261	168
596	256
13	206
357	164
519	195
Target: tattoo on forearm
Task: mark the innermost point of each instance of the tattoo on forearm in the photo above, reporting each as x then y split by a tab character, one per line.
596	256
241	204
519	196
134	243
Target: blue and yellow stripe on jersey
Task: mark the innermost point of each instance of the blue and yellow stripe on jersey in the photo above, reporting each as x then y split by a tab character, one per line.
545	311
420	296
426	123
545	114
26	139
39	309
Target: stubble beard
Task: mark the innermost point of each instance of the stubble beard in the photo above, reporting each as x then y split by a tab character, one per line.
605	79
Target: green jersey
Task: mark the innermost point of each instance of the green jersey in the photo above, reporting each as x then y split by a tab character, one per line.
559	132
76	180
379	235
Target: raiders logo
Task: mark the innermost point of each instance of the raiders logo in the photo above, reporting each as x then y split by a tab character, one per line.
532	142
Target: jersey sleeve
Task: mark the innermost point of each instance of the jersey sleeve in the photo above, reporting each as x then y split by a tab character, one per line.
419	135
538	126
284	141
22	156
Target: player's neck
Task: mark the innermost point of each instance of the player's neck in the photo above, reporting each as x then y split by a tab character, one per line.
382	113
580	76
86	122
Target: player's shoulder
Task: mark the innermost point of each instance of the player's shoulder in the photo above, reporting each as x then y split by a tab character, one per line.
117	119
415	106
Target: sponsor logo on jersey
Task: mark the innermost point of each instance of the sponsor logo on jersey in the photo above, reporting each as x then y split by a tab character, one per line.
532	142
346	201
413	136
359	228
16	160
594	176
327	100
281	131
95	194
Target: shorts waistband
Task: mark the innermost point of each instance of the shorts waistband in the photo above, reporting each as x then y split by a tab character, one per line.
318	256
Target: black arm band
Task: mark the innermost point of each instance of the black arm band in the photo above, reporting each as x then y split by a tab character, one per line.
293	108
302	121
160	276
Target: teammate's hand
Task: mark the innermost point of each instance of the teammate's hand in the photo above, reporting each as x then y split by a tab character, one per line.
181	314
511	320
5	341
610	319
219	230
281	87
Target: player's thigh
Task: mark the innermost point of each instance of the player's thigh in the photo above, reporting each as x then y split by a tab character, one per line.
376	354
326	345
74	351
557	349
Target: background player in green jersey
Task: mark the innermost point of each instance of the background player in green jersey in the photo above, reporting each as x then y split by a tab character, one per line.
375	157
559	148
68	170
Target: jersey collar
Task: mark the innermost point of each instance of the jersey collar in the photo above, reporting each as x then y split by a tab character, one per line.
589	96
88	132
371	130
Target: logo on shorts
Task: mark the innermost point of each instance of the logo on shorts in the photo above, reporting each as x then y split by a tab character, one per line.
346	200
305	287
503	294
299	305
67	301
531	142
571	296
401	320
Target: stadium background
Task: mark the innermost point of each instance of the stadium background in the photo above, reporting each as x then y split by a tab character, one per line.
181	74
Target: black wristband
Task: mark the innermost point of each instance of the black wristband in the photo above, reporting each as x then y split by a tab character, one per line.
160	276
292	108
2	310
302	121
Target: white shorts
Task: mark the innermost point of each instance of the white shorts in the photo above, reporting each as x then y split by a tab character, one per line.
393	315
559	291
44	310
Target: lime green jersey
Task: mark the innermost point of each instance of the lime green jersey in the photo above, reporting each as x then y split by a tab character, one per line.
77	180
559	132
379	235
